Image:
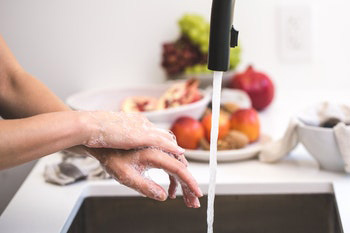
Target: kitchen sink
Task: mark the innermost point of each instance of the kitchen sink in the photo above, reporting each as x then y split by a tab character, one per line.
256	213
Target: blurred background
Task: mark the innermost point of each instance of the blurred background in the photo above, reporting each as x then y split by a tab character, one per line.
83	44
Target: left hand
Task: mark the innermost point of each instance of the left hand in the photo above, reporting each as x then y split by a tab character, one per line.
120	130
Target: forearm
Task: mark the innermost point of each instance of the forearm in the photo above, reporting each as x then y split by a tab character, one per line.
26	139
24	96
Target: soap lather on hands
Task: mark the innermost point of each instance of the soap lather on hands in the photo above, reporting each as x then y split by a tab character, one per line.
141	146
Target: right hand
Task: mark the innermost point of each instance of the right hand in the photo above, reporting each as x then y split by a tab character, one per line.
119	130
128	168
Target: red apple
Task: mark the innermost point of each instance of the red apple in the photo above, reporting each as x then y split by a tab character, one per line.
247	122
258	86
224	126
188	132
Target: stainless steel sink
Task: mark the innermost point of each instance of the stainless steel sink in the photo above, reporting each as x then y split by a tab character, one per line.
270	213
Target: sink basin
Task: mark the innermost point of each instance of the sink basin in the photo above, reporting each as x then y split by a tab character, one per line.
241	213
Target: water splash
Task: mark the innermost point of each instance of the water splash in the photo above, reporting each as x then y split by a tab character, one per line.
217	79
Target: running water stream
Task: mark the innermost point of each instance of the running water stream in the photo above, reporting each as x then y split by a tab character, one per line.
217	79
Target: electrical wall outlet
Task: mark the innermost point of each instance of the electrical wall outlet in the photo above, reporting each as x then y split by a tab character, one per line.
295	33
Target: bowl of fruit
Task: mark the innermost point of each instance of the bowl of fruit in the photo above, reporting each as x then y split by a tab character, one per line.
186	57
239	130
162	104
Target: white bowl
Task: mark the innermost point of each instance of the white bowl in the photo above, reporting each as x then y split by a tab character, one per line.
110	99
322	145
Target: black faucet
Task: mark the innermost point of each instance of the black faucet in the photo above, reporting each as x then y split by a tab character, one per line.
222	35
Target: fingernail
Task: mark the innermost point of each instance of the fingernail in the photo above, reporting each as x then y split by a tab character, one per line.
196	203
158	194
162	196
200	192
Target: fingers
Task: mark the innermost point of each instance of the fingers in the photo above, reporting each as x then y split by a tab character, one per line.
190	199
163	143
172	187
165	133
174	167
181	158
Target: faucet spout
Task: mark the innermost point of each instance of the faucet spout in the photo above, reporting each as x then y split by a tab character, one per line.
222	35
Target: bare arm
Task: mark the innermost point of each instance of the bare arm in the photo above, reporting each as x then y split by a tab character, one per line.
32	136
23	140
47	125
37	134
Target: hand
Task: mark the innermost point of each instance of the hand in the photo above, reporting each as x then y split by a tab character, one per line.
119	130
128	168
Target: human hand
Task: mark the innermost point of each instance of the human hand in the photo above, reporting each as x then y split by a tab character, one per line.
119	130
128	168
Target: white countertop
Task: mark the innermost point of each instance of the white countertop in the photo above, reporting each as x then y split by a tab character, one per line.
43	207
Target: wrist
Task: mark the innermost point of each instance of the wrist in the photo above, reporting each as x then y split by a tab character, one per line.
100	154
84	126
89	127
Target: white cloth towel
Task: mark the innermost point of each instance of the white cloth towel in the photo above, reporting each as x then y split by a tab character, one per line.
314	116
276	150
73	168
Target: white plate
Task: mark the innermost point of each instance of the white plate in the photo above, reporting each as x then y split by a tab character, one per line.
247	152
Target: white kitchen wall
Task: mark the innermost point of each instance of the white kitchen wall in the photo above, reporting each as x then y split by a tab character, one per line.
81	44
74	45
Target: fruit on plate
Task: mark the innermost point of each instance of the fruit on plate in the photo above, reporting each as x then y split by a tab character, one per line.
139	104
258	86
233	140
224	125
247	122
229	107
180	94
188	132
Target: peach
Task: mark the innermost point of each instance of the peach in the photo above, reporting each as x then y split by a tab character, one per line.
188	132
224	125
247	122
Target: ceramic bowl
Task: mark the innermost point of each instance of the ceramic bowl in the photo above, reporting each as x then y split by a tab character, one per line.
110	99
322	145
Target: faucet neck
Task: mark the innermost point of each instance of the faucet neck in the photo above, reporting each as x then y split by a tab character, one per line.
222	35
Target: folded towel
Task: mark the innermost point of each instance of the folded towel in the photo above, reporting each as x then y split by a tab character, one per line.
276	150
73	168
314	116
